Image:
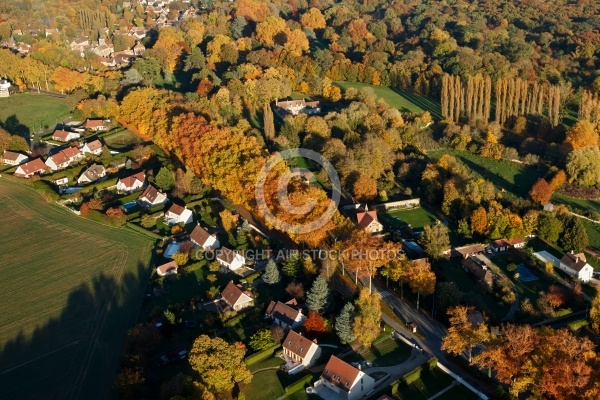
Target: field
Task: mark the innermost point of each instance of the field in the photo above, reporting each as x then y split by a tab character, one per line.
582	204
35	111
402	100
507	175
417	218
123	140
431	383
270	382
70	289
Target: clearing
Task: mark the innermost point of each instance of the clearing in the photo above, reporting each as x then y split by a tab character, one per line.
71	288
33	112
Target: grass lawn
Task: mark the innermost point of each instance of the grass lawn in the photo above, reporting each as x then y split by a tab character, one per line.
122	140
507	175
576	203
417	218
33	110
391	96
430	383
384	352
271	383
71	288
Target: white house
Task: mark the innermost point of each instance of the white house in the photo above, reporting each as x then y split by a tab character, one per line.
132	182
64	136
177	214
93	147
576	265
285	314
151	197
96	124
230	259
236	296
33	167
92	174
299	352
368	221
341	380
169	268
63	158
12	158
200	237
295	107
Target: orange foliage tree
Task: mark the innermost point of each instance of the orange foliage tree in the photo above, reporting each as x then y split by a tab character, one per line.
541	191
314	326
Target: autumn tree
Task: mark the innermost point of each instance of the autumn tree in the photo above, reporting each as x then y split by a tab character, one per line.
313	19
595	312
364	188
228	220
479	221
421	278
583	166
541	191
464	333
435	240
295	289
581	135
219	364
314	326
368	317
559	179
268	123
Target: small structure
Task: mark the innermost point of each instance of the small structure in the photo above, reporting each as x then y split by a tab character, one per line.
466	251
576	265
132	182
92	174
411	248
177	214
169	268
517	243
96	124
286	314
479	270
201	238
4	86
548	207
340	380
65	136
151	197
62	181
12	158
230	259
33	167
93	147
139	49
236	296
63	158
294	107
299	352
498	245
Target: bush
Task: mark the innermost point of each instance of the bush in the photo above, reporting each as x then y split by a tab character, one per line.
298	385
395	386
432	363
251	278
412	376
261	355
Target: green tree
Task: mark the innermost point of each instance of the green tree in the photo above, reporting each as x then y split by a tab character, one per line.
435	239
549	228
169	316
368	318
583	166
148	221
344	322
317	296
448	295
292	266
272	274
220	365
164	179
595	312
242	240
261	340
149	68
574	236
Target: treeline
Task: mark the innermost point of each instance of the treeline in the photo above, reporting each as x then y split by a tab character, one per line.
92	20
589	108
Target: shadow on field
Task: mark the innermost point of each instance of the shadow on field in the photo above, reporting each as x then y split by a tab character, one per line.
75	355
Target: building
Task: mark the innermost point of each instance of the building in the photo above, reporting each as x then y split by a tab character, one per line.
169	268
299	352
63	158
177	214
132	182
65	136
93	147
139	49
548	207
576	265
4	86
12	158
62	181
341	380
236	296
498	245
364	219
92	174
230	259
33	167
466	251
479	270
151	197
200	237
96	124
517	243
294	107
411	248
285	315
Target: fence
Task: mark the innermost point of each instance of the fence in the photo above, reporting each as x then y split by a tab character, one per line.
411	203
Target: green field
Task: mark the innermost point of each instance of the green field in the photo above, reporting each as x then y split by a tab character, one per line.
70	289
401	99
581	204
123	140
270	383
431	383
417	217
507	175
33	110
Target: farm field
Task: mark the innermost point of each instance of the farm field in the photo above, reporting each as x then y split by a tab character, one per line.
512	177
71	288
35	111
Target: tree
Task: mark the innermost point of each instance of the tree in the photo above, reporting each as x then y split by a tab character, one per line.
448	295
421	278
219	364
272	274
541	192
558	180
313	19
344	322
368	318
142	153
292	266
314	326
581	135
308	266
317	296
464	333
549	228
574	236
181	258
364	188
435	240
261	340
169	316
268	123
228	220
583	166
595	312
295	289
479	220
165	179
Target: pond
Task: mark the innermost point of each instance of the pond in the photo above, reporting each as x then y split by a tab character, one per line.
69	190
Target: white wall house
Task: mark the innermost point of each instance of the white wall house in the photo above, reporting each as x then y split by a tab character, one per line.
65	136
151	197
169	268
12	158
33	167
341	380
63	158
230	259
236	297
132	182
177	214
576	265
299	352
285	314
93	147
92	174
200	237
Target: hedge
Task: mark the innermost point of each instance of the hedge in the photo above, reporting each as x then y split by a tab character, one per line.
412	376
261	355
143	231
395	386
298	385
252	277
432	363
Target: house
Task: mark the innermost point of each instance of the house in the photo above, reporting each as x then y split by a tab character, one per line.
299	352
65	136
341	380
517	243
200	237
466	251
93	147
132	182
285	314
96	124
177	214
576	265
139	49
12	158
236	296
169	268
367	220
63	158
230	259
479	270
294	107
92	174
63	180
498	245
151	197
33	167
